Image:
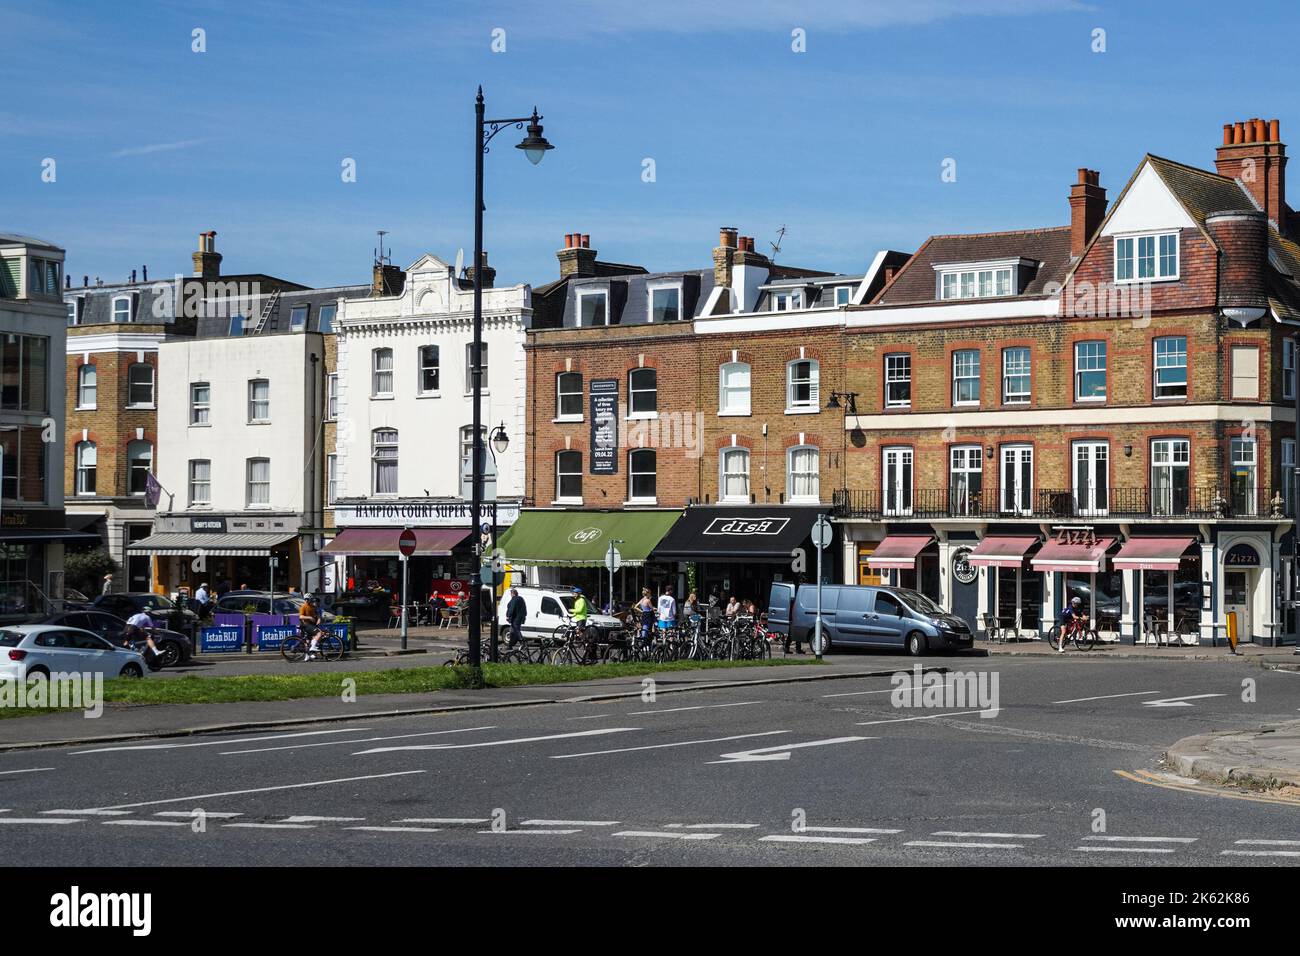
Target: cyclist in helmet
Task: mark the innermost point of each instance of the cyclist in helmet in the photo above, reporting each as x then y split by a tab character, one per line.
1071	615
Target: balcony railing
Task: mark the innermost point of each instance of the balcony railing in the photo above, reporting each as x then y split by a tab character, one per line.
1202	503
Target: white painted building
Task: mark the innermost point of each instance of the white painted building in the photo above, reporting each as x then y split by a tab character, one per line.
405	413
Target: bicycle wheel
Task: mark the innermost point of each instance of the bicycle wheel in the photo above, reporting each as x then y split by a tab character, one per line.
1085	638
331	647
293	649
1054	637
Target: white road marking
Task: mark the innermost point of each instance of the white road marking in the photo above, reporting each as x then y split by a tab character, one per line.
948	679
1122	849
569	823
190	813
502	743
900	720
674	710
782	751
722	826
396	829
38	820
219	743
967	846
846	830
1142	839
679	743
444	820
1267	842
589	717
1260	853
237	793
668	836
1178	701
94	813
793	838
972	833
305	819
560	832
364	740
1080	700
272	826
29	770
145	823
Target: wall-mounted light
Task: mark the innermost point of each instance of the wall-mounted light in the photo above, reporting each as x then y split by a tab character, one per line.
1128	451
992	451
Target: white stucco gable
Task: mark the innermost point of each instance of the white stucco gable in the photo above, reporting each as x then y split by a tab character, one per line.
1147	206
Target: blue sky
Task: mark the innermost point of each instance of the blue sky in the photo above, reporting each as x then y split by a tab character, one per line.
842	144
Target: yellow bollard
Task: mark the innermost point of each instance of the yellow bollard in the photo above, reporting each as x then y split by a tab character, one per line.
1232	630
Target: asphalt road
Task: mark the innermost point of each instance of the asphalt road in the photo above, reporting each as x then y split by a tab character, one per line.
826	772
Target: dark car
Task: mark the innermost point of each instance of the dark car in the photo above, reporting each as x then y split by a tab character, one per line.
161	609
74	600
260	601
365	606
174	647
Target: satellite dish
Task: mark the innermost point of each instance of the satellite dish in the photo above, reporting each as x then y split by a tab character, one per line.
460	263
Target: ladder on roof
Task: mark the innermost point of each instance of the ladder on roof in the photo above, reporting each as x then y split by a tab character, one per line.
267	311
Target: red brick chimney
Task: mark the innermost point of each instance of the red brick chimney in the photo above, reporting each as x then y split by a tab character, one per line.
1087	209
577	258
1253	154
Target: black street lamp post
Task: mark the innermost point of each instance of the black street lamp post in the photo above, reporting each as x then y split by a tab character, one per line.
534	146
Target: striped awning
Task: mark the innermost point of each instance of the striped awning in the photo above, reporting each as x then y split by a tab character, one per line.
185	544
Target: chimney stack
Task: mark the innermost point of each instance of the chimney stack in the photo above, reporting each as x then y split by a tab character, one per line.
207	261
132	277
723	257
144	273
1087	210
386	279
1253	154
577	258
489	274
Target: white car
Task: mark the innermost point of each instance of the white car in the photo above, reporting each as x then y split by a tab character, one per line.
27	649
548	608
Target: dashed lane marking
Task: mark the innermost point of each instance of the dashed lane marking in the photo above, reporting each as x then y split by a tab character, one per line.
722	826
144	823
41	820
972	833
502	743
1267	842
1287	853
220	743
190	813
675	710
668	836
271	826
795	838
846	830
446	820
363	740
992	712
569	823
966	846
28	770
1123	849
89	813
237	793
678	743
1080	700
396	829
1141	839
534	831
308	819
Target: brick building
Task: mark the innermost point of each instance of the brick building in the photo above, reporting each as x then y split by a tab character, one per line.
1103	409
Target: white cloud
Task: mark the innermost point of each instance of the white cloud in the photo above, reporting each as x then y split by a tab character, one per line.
154	148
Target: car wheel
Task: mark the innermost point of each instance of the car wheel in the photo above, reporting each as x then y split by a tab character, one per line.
916	644
170	653
826	641
38	671
132	670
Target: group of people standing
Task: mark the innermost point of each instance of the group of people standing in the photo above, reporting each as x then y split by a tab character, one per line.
666	613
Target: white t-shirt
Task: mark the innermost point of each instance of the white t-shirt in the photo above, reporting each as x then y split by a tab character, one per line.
140	619
667	607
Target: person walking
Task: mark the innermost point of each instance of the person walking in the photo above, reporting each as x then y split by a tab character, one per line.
516	614
108	584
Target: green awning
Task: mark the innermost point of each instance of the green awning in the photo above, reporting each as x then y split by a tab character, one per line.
581	538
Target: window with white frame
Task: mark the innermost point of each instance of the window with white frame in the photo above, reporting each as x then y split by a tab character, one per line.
803	473
1091	477
1288	476
259	401
966	377
568	477
139	462
87	457
642	392
898	380
200	483
665	304
976	283
428	370
1170	366
1245	371
1243	465
733	398
200	403
593	308
1016	377
298	318
965	479
325	318
257	492
843	294
1147	257
1170	475
139	385
1017	479
733	475
487	464
1089	371
482	367
641	475
801	385
383	456
787	301
1288	368
122	309
332	396
896	476
331	479
568	396
381	373
87	386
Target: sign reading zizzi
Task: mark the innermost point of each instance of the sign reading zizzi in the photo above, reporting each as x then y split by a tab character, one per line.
745	527
604	426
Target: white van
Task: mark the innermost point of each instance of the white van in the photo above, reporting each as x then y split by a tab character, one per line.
548	608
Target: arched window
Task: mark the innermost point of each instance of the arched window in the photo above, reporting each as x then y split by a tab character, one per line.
733	475
139	462
87	457
139	385
641	475
568	476
87	387
384	455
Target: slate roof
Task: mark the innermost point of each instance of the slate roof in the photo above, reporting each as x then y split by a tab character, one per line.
628	300
916	281
218	325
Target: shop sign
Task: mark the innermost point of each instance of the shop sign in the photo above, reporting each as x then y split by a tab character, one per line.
1241	556
746	527
271	637
29	518
423	514
1084	537
962	570
208	525
222	639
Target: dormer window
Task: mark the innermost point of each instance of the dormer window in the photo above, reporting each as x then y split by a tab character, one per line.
122	309
977	282
1146	258
593	309
298	318
787	301
666	303
843	294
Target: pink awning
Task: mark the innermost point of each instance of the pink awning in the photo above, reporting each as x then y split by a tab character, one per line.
1151	554
996	551
382	542
1080	558
899	551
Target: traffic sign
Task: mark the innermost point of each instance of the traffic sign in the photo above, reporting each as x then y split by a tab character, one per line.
821	532
613	559
406	543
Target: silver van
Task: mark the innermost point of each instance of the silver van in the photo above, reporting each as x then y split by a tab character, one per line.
866	616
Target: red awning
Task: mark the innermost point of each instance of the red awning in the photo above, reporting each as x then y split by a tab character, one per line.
899	551
1151	554
382	542
1081	558
1001	552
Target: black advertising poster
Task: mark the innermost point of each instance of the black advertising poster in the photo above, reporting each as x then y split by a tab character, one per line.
604	426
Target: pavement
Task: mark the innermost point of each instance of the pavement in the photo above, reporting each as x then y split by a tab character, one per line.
1048	760
1266	757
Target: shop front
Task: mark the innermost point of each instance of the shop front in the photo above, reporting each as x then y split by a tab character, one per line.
227	552
32	541
1011	598
741	550
1163	583
367	559
1074	563
907	561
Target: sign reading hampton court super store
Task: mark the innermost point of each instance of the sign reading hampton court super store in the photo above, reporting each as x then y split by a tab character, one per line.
420	513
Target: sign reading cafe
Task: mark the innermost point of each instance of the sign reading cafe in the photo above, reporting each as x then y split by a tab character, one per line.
604	426
422	514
